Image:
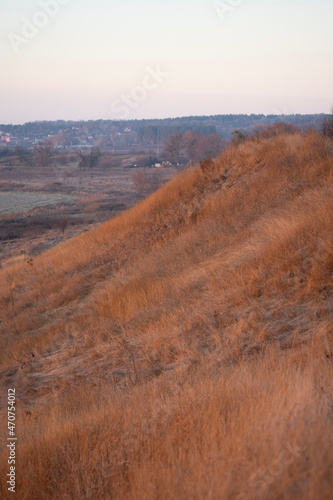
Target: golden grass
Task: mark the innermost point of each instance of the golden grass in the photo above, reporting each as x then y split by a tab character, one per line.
184	349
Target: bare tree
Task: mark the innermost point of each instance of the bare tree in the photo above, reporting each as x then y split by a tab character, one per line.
139	179
197	146
190	141
42	154
173	147
90	160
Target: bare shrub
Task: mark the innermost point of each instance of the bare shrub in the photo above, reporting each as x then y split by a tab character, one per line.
63	223
140	180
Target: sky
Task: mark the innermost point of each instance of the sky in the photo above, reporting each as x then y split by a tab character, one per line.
112	59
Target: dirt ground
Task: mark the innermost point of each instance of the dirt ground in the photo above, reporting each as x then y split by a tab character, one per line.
99	194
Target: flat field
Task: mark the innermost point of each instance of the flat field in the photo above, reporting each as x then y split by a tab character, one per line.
13	202
42	206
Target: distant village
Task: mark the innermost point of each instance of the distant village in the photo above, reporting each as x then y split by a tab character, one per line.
73	138
7	139
193	137
115	133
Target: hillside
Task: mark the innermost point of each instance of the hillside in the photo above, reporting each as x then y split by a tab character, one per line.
183	350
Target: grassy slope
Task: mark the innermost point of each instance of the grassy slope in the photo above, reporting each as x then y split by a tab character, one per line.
184	349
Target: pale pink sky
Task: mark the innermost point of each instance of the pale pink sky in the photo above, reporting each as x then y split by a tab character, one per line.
83	59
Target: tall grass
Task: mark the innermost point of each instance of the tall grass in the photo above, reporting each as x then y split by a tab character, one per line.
184	349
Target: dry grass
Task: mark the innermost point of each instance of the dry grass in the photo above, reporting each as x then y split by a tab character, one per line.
184	349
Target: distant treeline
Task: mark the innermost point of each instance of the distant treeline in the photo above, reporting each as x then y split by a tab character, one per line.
154	131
